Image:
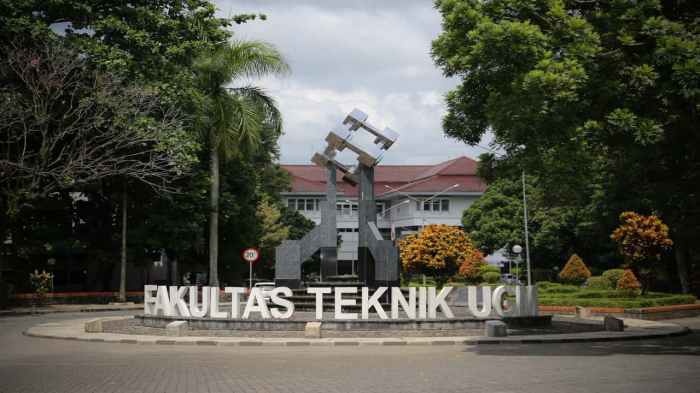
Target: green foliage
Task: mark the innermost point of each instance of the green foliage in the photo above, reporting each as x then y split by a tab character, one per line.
598	282
495	220
612	276
41	283
554	294
583	96
272	229
491	277
156	47
553	287
492	220
489	269
636	302
298	224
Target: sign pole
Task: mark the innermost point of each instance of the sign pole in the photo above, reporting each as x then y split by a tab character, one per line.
250	255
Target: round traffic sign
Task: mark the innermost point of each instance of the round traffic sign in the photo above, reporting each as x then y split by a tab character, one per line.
251	255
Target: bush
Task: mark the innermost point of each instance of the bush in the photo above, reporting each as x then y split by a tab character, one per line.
613	276
437	250
575	271
636	302
598	282
545	285
561	289
491	277
470	268
41	283
486	268
628	282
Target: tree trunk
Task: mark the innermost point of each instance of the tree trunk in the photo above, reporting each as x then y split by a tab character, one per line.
681	254
122	273
214	216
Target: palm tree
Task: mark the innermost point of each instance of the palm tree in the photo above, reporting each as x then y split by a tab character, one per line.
233	117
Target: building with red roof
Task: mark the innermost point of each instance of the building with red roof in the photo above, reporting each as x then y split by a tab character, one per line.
408	197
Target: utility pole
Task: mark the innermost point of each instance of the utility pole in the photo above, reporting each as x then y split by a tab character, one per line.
527	247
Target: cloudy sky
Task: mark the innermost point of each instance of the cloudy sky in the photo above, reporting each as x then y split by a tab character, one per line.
371	55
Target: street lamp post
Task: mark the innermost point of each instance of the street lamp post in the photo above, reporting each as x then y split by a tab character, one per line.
525	226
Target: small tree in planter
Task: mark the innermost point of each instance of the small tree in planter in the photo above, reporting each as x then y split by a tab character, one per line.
575	271
642	240
438	250
612	276
629	283
490	274
41	282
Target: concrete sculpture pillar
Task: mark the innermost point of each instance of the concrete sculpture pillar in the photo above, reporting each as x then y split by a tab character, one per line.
367	213
329	232
378	259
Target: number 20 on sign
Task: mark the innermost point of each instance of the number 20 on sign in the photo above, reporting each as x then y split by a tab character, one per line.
251	255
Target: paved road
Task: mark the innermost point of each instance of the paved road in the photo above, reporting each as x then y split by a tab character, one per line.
43	365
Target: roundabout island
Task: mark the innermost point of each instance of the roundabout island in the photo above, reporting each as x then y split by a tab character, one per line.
354	320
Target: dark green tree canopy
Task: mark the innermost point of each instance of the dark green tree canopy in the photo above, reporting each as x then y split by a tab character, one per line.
598	99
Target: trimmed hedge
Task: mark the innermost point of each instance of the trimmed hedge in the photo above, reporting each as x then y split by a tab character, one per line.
491	277
620	302
598	282
575	271
613	276
552	287
555	294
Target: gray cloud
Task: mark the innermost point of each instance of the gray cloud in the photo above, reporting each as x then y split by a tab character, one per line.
373	55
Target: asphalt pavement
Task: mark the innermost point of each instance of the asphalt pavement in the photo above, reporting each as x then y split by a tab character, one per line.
29	364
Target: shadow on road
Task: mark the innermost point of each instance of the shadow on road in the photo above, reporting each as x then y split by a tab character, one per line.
684	345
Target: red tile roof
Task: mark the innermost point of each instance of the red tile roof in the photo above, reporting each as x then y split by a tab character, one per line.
407	178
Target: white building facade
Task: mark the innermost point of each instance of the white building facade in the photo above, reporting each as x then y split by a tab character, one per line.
408	198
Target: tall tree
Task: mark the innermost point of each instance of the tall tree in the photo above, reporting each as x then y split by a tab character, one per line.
151	44
598	98
233	117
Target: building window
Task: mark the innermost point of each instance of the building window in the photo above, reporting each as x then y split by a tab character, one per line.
380	209
305	204
435	205
346	208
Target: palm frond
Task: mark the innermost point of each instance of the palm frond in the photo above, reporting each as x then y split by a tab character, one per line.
253	59
236	118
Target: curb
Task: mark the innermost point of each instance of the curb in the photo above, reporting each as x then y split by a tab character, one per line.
388	341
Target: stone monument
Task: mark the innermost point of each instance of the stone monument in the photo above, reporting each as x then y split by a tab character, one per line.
378	259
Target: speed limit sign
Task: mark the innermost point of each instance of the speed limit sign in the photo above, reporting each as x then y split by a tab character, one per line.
251	255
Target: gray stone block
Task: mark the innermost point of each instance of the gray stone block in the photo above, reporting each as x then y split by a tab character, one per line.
613	324
582	312
458	297
93	326
312	330
176	329
496	329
